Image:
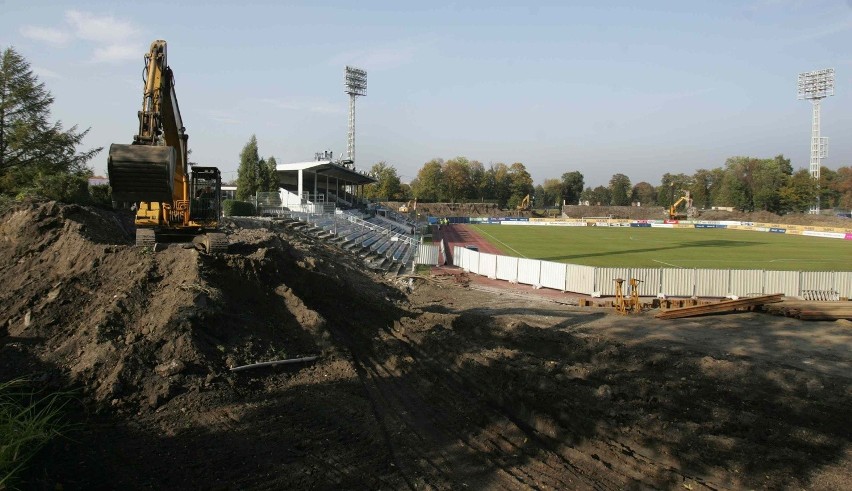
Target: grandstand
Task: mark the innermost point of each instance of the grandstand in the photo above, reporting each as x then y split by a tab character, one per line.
384	244
325	198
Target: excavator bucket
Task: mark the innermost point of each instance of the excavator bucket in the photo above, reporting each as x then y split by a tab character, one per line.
141	172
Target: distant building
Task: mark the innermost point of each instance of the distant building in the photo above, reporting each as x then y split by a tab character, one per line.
229	192
98	181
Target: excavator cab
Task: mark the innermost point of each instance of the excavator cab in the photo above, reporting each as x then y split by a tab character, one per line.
205	194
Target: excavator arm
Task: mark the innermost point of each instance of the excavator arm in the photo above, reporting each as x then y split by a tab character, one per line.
153	168
686	198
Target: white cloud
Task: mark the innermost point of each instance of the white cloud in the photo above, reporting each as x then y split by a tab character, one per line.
111	39
45	73
825	30
100	29
48	35
223	117
115	53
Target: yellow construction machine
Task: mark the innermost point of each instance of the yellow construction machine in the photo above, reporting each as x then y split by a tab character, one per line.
153	171
407	207
672	212
525	204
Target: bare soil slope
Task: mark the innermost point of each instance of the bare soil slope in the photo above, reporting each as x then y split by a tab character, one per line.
427	385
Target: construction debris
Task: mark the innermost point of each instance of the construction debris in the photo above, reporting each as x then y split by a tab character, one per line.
289	361
813	311
723	306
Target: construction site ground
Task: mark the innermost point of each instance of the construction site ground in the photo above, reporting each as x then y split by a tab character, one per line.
419	382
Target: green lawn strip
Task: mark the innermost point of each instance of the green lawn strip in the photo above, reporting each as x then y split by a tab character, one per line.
662	247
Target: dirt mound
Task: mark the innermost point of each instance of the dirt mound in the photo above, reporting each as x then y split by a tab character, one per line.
135	328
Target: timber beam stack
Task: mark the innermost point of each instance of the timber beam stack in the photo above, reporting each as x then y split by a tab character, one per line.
814	311
720	307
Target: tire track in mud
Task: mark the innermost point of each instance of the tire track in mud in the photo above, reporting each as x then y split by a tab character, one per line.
504	444
556	459
549	464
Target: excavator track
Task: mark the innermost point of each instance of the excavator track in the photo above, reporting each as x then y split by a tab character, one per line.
145	237
216	243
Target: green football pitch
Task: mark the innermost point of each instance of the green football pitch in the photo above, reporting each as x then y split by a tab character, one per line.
667	248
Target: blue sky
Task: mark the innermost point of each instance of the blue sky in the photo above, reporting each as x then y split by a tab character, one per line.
603	87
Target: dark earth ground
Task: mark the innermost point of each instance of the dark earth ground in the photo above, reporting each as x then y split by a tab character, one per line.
423	385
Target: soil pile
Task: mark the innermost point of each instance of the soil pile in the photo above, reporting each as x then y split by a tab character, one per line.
431	385
145	336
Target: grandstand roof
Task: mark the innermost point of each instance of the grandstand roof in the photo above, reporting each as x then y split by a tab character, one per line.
334	170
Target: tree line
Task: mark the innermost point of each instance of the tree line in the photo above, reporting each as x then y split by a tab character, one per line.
743	183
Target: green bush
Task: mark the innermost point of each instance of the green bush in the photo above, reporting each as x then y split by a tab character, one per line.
101	195
234	208
64	187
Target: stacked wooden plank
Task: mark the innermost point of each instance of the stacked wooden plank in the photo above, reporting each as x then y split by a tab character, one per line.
719	307
814	311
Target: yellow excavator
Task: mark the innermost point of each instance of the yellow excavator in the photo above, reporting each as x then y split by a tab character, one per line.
153	171
407	207
672	213
525	204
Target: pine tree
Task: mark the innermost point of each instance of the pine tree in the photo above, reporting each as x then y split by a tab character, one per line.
32	149
262	176
248	180
271	175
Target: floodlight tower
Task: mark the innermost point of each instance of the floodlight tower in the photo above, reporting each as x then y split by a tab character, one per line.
816	86
356	85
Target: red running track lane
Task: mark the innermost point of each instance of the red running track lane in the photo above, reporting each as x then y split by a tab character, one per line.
462	235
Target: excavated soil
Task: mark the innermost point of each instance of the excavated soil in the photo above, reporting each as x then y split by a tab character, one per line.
418	383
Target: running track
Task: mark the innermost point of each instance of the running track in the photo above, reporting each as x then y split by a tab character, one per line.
462	235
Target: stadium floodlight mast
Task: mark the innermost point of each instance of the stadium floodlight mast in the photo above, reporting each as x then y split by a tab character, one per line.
815	86
356	85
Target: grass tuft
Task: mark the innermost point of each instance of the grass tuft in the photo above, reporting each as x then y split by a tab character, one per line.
28	421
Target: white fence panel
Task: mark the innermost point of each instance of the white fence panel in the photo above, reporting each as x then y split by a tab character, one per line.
711	282
488	265
817	280
464	258
843	283
457	259
746	282
507	268
529	271
427	254
786	282
604	279
678	282
472	260
580	279
553	275
650	280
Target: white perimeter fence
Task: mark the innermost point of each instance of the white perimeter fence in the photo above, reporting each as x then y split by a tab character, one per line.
670	282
